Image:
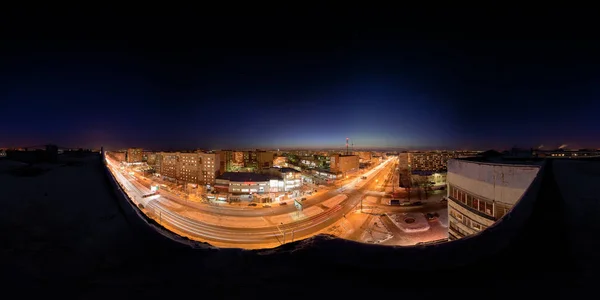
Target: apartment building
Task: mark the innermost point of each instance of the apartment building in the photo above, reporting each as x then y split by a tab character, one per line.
210	167
169	165
198	167
118	156
134	155
189	167
482	190
254	160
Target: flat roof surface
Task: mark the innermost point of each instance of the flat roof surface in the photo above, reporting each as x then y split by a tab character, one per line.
246	176
63	232
287	170
532	161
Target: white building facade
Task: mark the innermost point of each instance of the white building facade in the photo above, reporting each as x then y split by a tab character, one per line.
480	193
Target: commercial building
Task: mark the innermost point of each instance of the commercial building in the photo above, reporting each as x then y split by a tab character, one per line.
482	190
344	164
134	155
247	183
292	178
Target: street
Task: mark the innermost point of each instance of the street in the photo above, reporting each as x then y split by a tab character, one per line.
160	208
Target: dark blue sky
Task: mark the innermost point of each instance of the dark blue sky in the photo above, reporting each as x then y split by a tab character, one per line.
186	80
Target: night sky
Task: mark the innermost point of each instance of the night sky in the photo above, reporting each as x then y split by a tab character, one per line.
207	80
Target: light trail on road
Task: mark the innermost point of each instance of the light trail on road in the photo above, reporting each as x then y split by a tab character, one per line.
235	235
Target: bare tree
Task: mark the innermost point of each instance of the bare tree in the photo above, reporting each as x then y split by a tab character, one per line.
405	181
423	186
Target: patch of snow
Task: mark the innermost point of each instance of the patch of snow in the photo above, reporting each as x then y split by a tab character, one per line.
333	201
376	232
7	165
419	224
443	217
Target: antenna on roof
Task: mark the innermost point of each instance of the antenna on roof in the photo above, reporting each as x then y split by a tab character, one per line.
346	146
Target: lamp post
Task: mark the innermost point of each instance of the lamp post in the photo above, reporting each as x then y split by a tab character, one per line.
282	232
361	202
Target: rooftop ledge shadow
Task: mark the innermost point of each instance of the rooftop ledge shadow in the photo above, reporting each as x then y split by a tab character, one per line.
513	231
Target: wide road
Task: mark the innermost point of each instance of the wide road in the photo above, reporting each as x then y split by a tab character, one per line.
228	236
249	211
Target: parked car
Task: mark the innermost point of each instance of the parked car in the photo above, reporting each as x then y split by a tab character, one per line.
252	204
431	216
283	203
266	206
303	198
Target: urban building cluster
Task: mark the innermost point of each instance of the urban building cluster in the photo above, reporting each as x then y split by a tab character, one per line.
248	172
427	169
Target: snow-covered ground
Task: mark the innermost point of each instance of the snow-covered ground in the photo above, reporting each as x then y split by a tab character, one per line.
370	200
335	200
64	222
410	222
227	221
375	232
7	165
348	227
443	217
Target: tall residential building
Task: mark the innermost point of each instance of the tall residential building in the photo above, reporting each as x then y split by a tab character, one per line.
169	165
430	160
481	190
265	159
210	167
189	167
226	160
151	159
134	155
118	156
433	161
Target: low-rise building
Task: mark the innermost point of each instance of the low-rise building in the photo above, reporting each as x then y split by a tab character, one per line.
481	190
292	178
247	183
435	180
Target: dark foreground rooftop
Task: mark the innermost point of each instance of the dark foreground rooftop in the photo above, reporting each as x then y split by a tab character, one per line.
63	231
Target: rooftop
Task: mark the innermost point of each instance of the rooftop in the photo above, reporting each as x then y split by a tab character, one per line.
287	170
246	176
